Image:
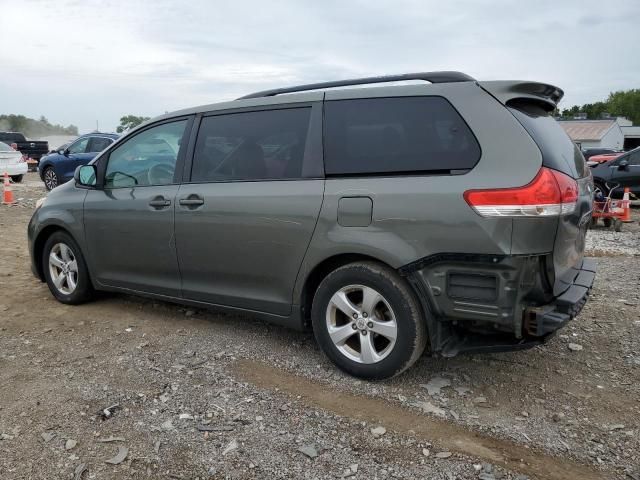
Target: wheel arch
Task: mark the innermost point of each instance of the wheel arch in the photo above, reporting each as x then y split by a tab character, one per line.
319	272
43	166
39	242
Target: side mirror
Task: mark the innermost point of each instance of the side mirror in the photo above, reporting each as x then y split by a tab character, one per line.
86	175
623	165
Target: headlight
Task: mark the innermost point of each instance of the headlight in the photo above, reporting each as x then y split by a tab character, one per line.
39	202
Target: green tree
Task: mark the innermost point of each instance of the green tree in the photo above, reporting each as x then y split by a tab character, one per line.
33	128
130	121
626	104
620	104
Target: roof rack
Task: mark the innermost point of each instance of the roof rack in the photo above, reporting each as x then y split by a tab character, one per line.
432	77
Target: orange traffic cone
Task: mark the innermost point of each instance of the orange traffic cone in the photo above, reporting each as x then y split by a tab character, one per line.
626	204
7	194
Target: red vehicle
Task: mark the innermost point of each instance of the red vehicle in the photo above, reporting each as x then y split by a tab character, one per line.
612	212
605	157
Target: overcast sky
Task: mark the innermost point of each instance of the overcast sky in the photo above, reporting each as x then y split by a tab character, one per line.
78	61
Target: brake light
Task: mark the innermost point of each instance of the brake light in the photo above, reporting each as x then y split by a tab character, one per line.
550	193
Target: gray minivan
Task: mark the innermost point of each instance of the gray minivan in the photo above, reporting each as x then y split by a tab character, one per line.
448	215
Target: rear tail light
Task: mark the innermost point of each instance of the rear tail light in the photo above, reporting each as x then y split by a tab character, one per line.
550	193
14	146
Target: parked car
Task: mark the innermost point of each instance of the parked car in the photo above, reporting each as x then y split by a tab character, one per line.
623	171
33	150
57	168
12	162
61	147
605	157
388	220
590	152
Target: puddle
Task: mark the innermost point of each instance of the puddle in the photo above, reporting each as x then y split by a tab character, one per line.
443	434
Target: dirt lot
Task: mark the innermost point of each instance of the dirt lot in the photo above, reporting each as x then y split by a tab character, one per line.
196	394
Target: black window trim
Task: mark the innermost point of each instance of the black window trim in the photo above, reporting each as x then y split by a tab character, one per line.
313	146
103	159
403	173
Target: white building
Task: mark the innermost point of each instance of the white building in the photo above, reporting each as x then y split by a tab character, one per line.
597	133
631	137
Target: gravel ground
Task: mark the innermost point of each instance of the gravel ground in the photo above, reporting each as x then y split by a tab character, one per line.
126	387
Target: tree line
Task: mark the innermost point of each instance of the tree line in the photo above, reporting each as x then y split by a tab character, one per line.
619	104
32	128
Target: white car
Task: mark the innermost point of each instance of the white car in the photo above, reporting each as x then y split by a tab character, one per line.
12	162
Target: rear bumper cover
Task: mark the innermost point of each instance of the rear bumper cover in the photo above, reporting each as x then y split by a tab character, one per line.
14	169
494	309
541	321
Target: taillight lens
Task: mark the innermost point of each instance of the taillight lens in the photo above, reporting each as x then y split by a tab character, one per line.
550	193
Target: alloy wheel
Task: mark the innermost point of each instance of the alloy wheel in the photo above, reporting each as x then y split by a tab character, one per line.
63	268
50	179
361	324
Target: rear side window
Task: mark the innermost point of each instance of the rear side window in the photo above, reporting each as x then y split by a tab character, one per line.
558	150
395	136
97	144
263	145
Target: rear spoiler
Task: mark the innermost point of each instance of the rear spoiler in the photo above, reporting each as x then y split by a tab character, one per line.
505	91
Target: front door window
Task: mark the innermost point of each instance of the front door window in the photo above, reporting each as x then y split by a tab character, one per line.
149	158
79	146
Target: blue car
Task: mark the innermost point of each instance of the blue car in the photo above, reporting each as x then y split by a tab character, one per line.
58	167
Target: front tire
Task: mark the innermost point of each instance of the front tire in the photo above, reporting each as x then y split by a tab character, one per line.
16	178
50	178
65	270
367	320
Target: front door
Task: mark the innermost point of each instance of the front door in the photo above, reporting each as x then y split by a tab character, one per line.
628	176
129	223
75	155
244	221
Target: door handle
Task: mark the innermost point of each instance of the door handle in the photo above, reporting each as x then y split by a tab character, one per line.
159	202
192	201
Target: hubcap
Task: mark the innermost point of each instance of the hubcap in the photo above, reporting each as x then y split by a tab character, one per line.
63	268
361	324
50	179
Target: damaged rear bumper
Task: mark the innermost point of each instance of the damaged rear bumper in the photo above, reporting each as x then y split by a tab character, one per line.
491	303
541	321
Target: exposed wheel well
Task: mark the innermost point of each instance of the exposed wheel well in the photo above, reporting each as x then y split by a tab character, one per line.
319	272
38	246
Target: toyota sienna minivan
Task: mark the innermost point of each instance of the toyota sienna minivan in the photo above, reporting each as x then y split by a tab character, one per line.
447	216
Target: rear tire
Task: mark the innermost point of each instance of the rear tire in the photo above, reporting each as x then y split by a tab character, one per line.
50	178
65	270
607	222
16	178
382	332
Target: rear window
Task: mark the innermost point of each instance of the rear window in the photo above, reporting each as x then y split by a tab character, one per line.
397	135
558	150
